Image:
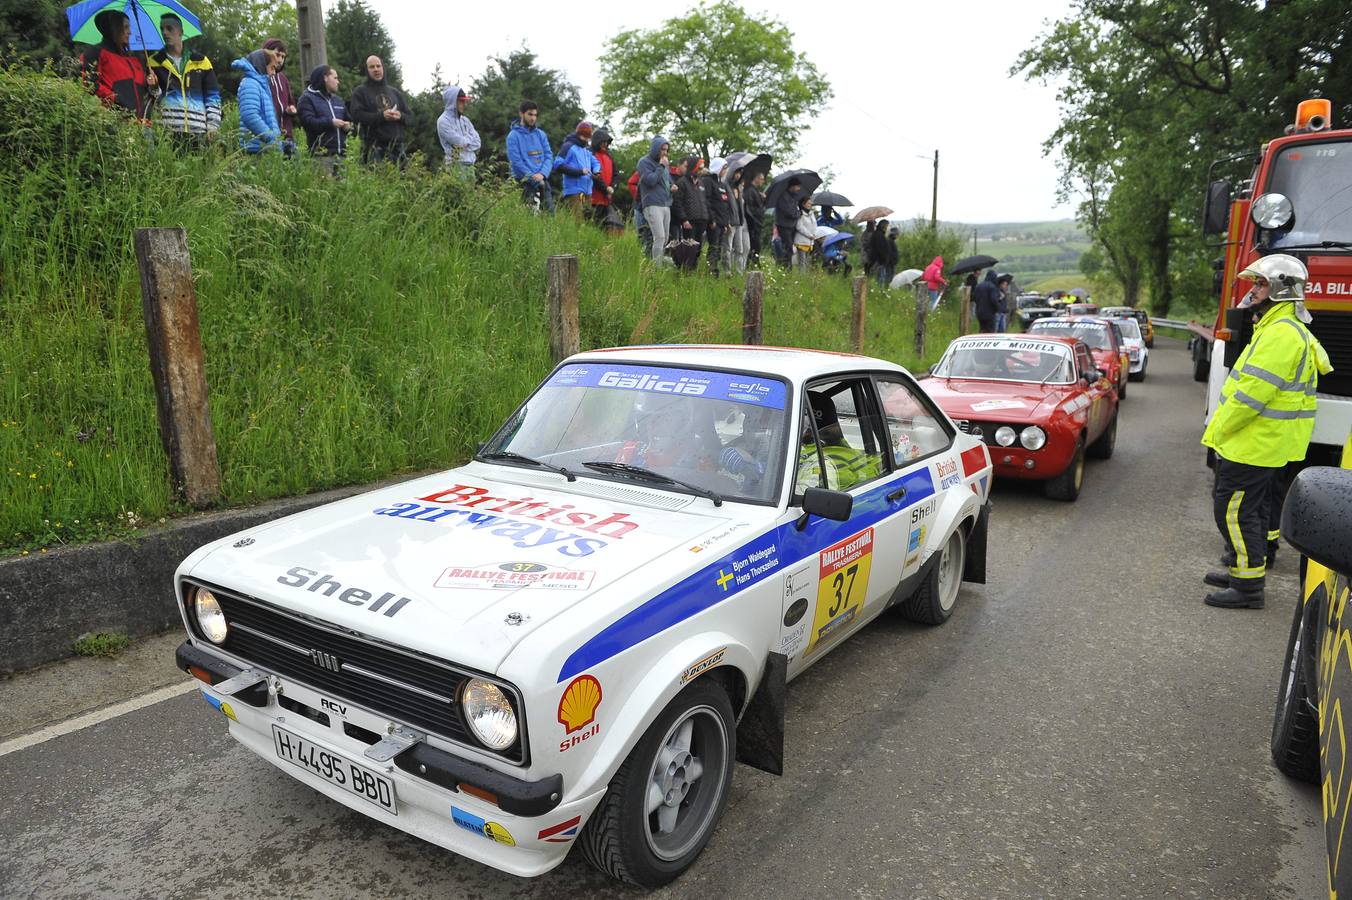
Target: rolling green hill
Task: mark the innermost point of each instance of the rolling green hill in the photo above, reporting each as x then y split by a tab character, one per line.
1032	251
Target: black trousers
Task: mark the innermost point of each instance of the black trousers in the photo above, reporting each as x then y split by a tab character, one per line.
1245	507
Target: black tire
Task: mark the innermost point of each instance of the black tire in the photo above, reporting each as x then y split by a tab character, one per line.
1066	486
1295	727
618	837
1201	367
1136	376
1122	388
1107	442
933	601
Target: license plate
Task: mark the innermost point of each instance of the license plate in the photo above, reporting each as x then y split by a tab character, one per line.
334	769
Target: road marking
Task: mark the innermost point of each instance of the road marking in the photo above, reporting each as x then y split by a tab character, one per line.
42	735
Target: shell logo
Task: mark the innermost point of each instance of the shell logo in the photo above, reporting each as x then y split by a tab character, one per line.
577	706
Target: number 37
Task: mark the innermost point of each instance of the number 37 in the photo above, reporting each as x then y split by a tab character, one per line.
839	582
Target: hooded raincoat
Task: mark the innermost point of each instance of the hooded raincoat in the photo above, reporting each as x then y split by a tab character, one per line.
577	164
528	152
115	76
258	128
988	298
457	134
654	180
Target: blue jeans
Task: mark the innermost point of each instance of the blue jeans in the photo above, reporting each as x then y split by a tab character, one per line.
934	299
999	321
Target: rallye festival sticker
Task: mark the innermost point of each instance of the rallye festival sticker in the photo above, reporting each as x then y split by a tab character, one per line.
577	710
513	575
842	584
491	830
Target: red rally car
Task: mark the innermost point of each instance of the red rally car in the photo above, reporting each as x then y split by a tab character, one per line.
1105	345
1039	402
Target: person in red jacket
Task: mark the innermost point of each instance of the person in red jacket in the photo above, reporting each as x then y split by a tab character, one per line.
603	185
116	77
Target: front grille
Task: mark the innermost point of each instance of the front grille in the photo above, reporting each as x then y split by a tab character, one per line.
1334	330
987	429
410	689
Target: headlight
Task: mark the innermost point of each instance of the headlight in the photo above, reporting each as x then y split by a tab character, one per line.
1033	438
1004	436
209	616
489	713
1271	211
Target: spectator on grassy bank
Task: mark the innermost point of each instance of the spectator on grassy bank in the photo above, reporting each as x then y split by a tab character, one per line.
690	203
258	128
787	211
324	118
934	279
739	246
283	101
719	200
578	166
112	73
877	244
530	157
987	298
654	183
188	94
459	139
753	199
804	233
603	185
382	115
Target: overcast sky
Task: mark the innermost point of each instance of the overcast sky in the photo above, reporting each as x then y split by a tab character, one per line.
908	79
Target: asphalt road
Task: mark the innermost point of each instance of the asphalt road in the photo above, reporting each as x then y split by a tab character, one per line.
1082	727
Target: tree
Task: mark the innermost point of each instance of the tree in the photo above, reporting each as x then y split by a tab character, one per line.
35	30
235	28
714	81
498	93
353	31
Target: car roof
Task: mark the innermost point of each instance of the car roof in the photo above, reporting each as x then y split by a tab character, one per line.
794	363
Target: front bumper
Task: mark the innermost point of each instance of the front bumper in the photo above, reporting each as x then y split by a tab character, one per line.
427	778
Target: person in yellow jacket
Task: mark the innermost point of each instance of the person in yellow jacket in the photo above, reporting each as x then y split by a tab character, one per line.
845	466
1263	421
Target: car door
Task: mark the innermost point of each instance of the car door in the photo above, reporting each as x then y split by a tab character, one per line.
852	568
1096	390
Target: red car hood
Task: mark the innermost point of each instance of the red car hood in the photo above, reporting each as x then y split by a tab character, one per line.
1013	401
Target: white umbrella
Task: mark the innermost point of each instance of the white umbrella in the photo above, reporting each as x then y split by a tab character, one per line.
906	277
825	231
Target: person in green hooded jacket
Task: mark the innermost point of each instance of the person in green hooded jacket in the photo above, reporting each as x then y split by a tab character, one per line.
1263	421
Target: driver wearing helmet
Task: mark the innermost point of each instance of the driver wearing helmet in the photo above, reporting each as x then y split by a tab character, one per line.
1263	421
844	466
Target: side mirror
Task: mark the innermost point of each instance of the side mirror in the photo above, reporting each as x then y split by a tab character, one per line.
1216	213
1317	516
834	505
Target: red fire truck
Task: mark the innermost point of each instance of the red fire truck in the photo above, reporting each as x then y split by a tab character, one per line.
1297	200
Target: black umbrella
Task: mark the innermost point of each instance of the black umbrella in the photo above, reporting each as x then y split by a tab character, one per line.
972	264
830	198
750	165
809	179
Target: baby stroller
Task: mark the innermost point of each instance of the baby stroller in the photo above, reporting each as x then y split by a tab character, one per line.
835	253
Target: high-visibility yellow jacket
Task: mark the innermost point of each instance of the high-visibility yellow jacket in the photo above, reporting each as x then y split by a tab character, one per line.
1266	411
845	467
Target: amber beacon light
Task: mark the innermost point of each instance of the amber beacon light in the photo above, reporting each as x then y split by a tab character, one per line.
1314	115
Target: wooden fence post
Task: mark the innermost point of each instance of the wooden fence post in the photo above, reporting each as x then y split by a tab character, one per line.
564	338
965	311
921	310
174	339
753	306
859	296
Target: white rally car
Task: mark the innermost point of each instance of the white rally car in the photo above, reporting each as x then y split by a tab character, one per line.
571	638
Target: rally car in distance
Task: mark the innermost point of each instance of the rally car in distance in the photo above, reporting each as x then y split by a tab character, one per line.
1032	307
571	638
1129	335
1141	316
1039	403
1309	735
1104	344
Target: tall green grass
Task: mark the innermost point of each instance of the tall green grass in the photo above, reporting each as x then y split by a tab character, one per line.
353	329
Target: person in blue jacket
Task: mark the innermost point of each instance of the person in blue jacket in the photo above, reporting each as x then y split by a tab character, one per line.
654	181
532	160
258	128
577	164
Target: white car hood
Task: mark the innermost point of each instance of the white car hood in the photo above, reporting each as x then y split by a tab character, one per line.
436	566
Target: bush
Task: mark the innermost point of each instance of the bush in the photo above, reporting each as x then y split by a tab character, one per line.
353	329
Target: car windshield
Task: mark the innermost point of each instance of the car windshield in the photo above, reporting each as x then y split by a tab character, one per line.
1095	334
1131	329
1031	302
1007	360
1317	179
716	431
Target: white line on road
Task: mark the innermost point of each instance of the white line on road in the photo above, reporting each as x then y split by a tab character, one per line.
42	735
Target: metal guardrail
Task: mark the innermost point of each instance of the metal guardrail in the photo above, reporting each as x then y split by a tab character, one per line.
1170	323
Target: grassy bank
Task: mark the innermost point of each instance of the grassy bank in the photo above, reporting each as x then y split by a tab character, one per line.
353	329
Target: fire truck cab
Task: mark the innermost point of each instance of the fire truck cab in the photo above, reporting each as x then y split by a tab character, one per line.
1298	201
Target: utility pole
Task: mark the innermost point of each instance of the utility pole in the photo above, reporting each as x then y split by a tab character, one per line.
934	203
974	242
310	28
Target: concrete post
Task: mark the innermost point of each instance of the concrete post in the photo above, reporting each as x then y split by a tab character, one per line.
174	339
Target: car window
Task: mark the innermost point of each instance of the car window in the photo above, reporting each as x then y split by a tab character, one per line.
841	438
1086	364
1095	334
1006	359
1130	327
915	429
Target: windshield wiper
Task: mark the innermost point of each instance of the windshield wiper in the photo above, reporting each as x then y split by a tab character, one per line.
1339	245
650	475
509	456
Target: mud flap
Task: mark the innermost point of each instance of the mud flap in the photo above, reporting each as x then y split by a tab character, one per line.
975	568
760	733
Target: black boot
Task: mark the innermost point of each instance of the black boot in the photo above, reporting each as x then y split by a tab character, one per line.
1272	553
1233	598
1217	578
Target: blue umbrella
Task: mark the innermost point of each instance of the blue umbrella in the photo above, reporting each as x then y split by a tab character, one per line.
144	16
839	238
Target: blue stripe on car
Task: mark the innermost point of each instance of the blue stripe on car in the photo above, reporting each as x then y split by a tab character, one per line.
719	580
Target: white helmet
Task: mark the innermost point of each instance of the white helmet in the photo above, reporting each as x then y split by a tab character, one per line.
1285	275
